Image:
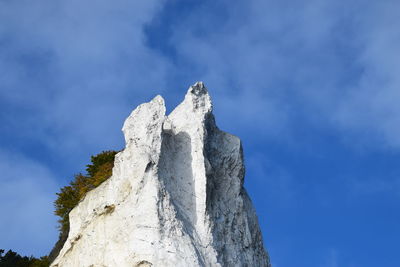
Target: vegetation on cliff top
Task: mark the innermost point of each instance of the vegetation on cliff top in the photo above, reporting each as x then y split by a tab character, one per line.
69	196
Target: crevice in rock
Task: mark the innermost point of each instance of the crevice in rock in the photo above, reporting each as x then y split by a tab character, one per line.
176	174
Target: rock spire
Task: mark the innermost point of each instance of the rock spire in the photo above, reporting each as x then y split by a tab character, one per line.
175	198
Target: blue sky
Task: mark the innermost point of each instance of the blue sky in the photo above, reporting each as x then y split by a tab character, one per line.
311	87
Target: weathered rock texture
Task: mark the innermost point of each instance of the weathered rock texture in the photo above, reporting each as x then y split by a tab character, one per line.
175	198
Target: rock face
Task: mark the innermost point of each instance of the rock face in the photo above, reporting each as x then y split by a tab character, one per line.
175	198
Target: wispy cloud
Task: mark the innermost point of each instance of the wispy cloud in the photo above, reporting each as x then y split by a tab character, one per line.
27	223
76	67
372	104
270	63
83	66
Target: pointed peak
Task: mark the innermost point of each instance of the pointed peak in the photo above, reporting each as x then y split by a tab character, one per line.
145	118
198	89
198	99
158	99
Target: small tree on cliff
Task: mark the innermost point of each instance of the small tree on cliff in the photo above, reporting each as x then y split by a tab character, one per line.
69	196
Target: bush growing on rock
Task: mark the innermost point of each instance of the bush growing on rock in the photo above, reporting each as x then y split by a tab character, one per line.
69	196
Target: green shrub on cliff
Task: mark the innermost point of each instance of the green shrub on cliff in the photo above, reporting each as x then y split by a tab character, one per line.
99	170
69	196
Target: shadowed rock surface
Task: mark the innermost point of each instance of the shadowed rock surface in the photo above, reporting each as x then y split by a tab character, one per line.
176	196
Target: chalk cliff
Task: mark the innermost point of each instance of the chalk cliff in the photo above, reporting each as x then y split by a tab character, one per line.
175	197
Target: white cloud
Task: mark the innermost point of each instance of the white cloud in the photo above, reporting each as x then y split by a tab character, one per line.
27	192
73	70
332	63
372	104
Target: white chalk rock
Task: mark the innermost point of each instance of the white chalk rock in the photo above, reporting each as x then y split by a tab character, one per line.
175	198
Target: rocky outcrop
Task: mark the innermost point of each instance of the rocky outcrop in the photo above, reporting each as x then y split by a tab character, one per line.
175	198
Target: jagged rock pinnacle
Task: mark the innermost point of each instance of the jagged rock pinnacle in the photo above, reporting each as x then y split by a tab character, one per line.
175	197
198	89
